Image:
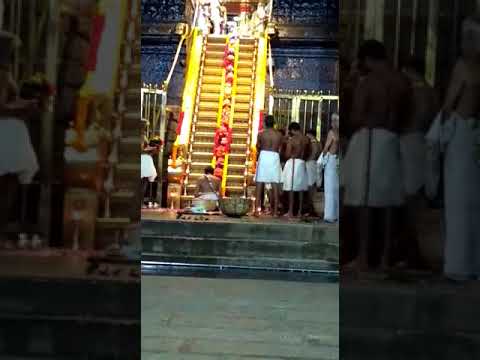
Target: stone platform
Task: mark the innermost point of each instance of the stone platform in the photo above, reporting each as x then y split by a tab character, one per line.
411	316
51	308
258	243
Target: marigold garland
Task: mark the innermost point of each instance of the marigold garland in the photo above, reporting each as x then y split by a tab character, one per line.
223	135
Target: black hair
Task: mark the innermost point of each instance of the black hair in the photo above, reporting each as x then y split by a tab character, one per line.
294	126
269	121
209	170
312	132
372	49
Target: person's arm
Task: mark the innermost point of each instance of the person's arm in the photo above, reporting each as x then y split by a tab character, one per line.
259	145
288	149
328	143
455	87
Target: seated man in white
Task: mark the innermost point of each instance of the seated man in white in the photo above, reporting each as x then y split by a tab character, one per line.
208	186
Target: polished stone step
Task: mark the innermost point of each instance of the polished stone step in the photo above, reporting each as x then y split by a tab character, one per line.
246	244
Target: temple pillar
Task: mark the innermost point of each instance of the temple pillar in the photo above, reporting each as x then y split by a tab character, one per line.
374	19
431	46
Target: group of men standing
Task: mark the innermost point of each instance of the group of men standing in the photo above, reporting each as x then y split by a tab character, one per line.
395	136
304	157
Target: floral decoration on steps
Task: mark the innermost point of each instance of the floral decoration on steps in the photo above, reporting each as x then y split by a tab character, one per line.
223	134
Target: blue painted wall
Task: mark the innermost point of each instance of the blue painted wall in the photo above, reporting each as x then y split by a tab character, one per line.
299	63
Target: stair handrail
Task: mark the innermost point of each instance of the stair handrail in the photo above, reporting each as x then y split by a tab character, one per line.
220	104
250	113
195	116
232	111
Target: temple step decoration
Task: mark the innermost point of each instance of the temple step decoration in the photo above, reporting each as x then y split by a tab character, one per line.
225	111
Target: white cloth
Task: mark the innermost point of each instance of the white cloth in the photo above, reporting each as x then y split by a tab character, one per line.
269	169
294	176
413	151
148	168
462	197
208	196
385	186
312	172
17	155
332	188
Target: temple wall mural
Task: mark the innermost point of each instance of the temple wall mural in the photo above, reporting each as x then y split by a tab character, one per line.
303	55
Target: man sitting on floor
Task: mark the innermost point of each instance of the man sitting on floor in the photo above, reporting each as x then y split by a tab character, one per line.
208	186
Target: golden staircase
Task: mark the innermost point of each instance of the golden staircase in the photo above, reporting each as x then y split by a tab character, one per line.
236	172
204	121
206	114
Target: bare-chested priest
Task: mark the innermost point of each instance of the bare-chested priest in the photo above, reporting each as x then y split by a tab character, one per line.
208	185
294	177
269	170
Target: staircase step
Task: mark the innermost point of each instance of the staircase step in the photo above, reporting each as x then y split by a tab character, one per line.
211	69
237	248
212	79
208	105
216	39
206	96
211	88
214	64
213	53
207	115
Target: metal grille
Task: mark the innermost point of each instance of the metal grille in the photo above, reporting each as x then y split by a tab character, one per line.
312	110
153	105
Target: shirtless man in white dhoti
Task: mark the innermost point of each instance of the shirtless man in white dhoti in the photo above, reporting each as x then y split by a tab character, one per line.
294	176
269	170
330	163
462	160
372	166
18	161
208	186
414	151
312	167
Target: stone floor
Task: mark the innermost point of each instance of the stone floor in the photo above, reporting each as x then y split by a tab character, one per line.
231	319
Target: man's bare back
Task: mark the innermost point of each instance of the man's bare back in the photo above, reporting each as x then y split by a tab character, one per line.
298	147
207	184
316	149
383	100
331	145
464	90
269	140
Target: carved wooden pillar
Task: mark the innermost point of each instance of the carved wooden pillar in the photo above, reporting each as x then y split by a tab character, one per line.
431	47
374	19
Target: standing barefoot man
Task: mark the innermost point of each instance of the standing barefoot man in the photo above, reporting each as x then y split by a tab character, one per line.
294	175
269	170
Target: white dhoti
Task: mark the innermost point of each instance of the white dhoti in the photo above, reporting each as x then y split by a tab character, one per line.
378	182
269	169
331	188
413	151
208	196
294	176
462	198
148	168
312	172
17	155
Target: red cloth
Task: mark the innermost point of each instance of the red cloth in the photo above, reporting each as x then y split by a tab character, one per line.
95	38
260	124
180	122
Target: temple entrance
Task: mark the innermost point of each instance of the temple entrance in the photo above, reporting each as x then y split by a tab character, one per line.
200	154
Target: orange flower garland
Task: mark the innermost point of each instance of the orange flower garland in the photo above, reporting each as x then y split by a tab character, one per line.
223	135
